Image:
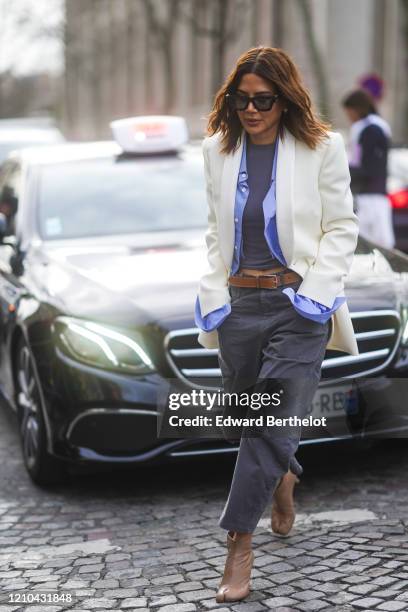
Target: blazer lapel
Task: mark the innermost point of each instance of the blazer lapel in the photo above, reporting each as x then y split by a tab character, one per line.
284	194
229	180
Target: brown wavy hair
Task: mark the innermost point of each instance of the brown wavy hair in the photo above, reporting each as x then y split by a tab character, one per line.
275	66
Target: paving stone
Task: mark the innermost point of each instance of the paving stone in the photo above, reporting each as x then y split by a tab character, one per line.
392	606
363	589
183	607
172	579
341	598
385	593
109	583
121	593
377	571
187	586
307	595
351	554
275	602
328	576
163	600
367	603
313	569
259	584
322	552
278	567
87	561
402	597
304	561
102	602
262	560
248	606
355	579
305	583
201	574
86	569
196	595
313	604
156	591
196	565
284	577
330	587
384	580
290	552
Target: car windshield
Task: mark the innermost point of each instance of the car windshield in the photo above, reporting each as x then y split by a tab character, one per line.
125	196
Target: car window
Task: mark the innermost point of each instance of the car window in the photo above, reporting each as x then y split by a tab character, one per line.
10	186
105	197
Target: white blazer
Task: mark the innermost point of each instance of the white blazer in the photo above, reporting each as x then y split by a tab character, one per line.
316	225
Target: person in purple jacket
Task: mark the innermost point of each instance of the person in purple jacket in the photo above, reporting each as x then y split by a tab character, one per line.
288	172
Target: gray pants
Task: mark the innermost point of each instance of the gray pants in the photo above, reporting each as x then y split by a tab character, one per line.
266	346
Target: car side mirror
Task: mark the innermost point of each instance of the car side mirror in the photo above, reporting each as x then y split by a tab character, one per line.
5	237
3	226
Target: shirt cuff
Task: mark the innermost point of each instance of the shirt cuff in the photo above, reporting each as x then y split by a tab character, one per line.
310	309
212	319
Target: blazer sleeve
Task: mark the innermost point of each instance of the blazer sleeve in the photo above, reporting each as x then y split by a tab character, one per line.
213	287
324	280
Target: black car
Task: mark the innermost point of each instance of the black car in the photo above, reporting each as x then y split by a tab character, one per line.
99	271
397	186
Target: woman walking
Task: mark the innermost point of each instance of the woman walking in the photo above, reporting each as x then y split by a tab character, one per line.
280	242
370	137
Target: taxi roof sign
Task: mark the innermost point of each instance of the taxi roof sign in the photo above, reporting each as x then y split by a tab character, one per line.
150	133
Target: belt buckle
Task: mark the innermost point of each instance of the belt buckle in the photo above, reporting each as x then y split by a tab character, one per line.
274	277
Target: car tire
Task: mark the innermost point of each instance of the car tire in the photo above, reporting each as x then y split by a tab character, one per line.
43	468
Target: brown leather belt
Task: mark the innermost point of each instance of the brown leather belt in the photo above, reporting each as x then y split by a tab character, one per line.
263	279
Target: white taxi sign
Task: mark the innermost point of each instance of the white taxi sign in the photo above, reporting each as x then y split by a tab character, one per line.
150	133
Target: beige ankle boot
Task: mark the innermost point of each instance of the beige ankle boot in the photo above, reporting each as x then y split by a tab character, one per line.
237	572
283	507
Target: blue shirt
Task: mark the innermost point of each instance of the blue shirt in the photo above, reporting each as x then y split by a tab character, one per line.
303	305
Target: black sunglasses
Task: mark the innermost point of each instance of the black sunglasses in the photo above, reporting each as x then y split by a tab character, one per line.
238	101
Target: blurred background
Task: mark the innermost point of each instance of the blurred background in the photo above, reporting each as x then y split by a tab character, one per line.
86	62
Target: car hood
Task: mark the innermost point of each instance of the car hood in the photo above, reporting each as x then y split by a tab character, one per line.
133	282
155	279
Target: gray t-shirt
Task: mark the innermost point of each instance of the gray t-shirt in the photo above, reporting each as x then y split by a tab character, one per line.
255	250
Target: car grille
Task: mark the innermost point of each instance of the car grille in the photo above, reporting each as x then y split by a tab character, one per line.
377	334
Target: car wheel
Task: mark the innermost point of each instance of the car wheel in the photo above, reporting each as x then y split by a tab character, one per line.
43	468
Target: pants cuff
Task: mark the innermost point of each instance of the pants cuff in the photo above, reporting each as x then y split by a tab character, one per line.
231	526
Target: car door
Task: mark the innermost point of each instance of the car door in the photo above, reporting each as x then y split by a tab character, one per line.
11	288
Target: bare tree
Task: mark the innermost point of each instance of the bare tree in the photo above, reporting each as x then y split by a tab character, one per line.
22	24
130	34
163	30
226	19
404	8
316	58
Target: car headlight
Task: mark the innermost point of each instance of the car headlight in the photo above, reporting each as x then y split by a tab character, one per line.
404	325
101	346
404	337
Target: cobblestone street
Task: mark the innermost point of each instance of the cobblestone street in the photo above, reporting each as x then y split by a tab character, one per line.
148	539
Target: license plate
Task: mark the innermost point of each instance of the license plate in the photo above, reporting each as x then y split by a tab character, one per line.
335	401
